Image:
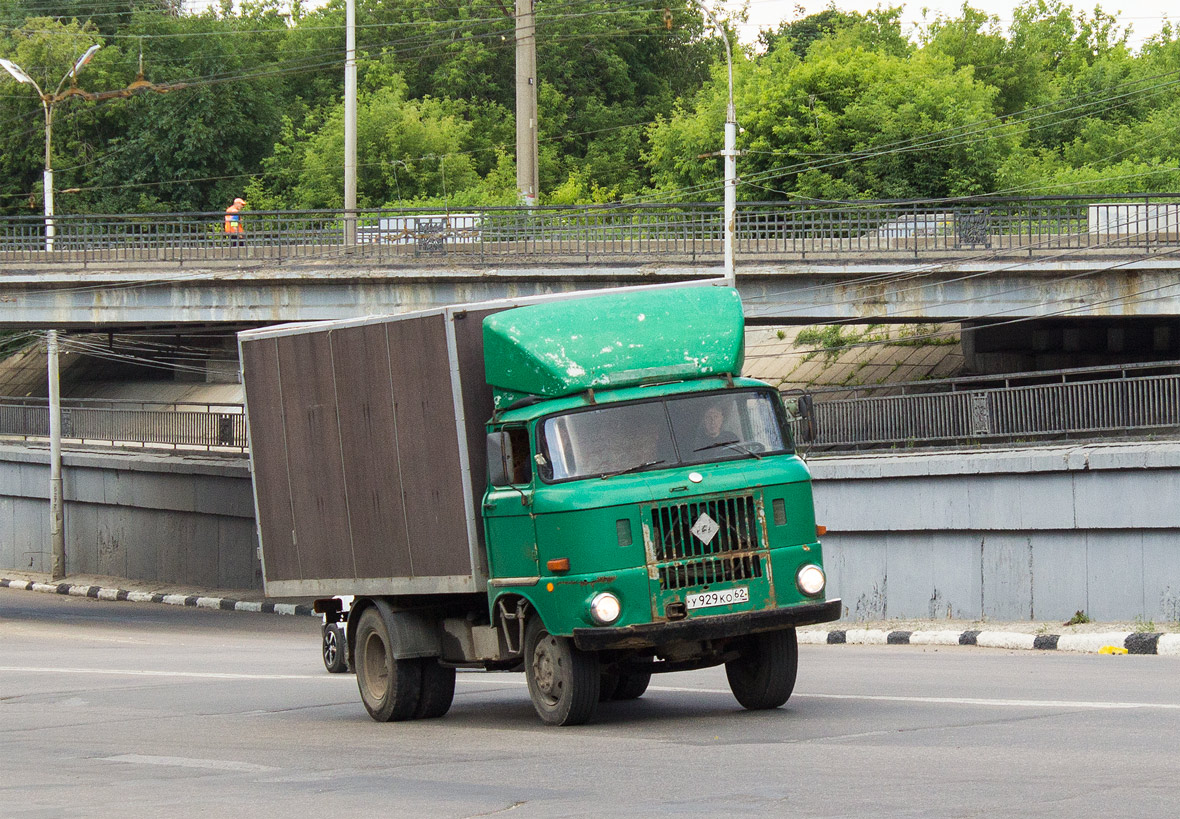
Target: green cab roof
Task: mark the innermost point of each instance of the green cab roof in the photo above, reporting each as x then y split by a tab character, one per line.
614	340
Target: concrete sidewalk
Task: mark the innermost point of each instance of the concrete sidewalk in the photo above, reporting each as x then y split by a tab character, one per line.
1091	638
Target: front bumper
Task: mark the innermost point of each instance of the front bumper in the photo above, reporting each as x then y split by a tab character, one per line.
715	627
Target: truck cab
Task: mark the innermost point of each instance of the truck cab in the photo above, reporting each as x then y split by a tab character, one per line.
640	517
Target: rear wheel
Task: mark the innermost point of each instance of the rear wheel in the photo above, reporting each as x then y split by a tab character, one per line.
763	676
438	689
563	681
335	648
390	688
632	684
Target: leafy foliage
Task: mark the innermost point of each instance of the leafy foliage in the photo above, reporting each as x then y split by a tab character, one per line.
632	100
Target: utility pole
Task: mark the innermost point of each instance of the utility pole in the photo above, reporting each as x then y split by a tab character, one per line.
527	182
350	124
57	532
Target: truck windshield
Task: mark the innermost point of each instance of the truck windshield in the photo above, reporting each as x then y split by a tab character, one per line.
609	440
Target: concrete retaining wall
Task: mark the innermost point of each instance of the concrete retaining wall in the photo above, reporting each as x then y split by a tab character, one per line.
1008	534
1017	534
141	516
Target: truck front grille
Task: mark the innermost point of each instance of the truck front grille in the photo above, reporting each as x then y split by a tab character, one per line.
736	518
713	570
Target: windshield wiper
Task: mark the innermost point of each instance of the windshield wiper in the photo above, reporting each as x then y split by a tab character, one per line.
734	444
634	468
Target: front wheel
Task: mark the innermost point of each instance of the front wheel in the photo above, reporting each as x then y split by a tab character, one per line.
763	675
390	688
563	681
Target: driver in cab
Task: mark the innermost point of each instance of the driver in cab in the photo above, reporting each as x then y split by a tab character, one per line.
712	432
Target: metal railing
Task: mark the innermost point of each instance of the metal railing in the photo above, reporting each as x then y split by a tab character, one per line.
1110	402
1134	400
764	229
120	423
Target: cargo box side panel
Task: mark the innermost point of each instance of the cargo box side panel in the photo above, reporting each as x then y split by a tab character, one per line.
368	430
314	456
477	404
436	516
268	454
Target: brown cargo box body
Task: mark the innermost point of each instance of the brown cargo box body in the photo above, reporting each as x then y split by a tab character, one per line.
366	441
367	448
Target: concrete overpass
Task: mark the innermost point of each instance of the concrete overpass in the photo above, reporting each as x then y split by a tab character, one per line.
966	260
855	287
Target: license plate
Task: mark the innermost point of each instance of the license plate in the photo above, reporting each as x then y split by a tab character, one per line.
724	597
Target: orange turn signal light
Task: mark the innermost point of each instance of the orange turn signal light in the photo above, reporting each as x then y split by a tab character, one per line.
558	564
820	531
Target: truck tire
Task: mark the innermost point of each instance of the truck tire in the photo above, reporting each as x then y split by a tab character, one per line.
335	648
763	676
438	689
563	681
390	688
632	685
607	685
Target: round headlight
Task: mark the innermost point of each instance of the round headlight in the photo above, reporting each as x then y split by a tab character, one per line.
810	580
605	608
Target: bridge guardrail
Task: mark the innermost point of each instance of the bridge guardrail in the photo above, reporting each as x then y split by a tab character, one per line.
1031	224
121	423
1134	400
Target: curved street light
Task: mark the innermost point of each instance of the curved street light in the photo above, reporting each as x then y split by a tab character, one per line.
57	538
47	103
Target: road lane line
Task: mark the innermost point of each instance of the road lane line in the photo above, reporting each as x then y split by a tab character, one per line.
1095	705
480	679
198	675
189	762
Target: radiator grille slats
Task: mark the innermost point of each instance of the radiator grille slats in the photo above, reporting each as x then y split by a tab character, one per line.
715	570
683	560
671	527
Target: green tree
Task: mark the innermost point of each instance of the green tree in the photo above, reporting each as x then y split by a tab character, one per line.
854	118
415	151
195	148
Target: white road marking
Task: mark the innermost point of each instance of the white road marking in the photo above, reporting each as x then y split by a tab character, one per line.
188	762
489	679
197	675
1095	705
1167	706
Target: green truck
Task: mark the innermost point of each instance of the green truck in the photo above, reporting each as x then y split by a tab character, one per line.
582	488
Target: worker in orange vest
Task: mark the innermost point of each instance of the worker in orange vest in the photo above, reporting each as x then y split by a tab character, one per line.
233	221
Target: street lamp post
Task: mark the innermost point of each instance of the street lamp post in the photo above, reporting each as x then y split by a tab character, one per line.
729	152
47	103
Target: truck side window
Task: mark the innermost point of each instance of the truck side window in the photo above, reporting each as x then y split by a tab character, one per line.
522	470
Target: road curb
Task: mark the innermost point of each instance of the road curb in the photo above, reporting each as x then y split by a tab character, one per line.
1111	642
192	600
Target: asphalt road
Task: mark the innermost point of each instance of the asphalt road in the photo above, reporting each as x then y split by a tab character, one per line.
121	709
